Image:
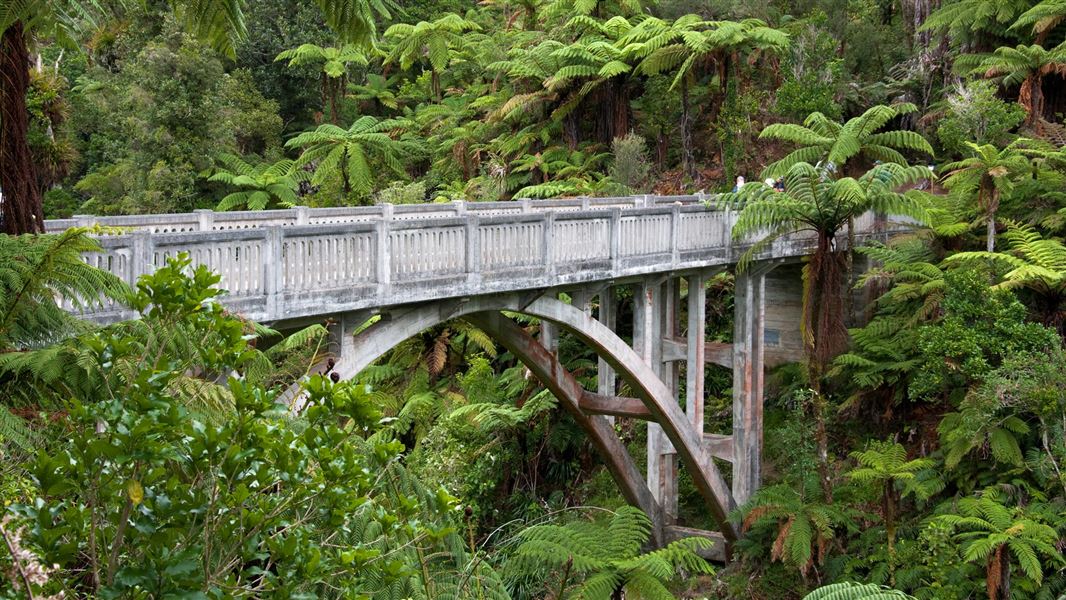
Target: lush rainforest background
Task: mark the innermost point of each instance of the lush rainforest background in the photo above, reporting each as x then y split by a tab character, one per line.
920	446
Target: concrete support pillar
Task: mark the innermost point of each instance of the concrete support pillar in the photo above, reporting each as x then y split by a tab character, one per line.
696	338
549	336
608	315
748	371
670	372
342	333
654	312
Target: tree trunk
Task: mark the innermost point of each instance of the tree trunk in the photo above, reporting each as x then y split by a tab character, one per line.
571	131
990	235
825	336
661	148
1037	99
334	92
435	83
22	210
890	529
620	120
723	72
821	439
687	156
324	85
988	197
344	177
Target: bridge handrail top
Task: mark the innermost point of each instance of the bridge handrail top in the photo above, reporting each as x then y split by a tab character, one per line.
218	221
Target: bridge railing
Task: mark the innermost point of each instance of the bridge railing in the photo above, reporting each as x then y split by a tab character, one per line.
208	220
333	260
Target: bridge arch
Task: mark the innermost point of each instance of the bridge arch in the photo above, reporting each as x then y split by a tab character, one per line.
485	312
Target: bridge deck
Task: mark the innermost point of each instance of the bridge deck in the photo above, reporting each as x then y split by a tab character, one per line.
304	262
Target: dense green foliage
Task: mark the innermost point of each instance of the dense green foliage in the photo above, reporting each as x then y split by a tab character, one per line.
921	446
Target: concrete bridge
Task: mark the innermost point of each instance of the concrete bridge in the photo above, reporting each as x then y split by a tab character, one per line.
421	265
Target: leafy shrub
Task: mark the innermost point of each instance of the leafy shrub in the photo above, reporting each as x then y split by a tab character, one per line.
630	164
975	114
800	96
152	497
981	327
399	192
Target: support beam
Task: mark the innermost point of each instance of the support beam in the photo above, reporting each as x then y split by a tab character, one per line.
719	446
549	336
647	342
616	406
718	353
670	372
675	349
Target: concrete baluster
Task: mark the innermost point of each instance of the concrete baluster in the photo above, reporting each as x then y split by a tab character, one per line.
675	235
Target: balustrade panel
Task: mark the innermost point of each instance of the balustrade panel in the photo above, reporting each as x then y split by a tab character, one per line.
703	230
642	235
425	252
507	245
326	261
239	262
578	240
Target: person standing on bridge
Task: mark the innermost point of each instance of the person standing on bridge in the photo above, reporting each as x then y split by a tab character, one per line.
740	184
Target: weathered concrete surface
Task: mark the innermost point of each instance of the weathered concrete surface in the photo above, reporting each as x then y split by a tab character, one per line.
284	265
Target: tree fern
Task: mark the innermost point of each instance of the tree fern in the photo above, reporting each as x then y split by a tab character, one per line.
992	533
1042	18
15	431
350	154
825	140
261	186
801	528
1031	261
856	591
38	274
586	559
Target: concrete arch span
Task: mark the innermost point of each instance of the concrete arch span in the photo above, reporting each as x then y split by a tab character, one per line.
661	405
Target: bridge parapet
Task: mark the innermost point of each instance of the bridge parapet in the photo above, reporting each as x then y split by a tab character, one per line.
304	262
208	220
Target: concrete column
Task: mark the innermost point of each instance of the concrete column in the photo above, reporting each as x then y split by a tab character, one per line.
273	270
696	350
383	251
608	315
549	335
303	215
748	361
650	315
669	372
342	333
